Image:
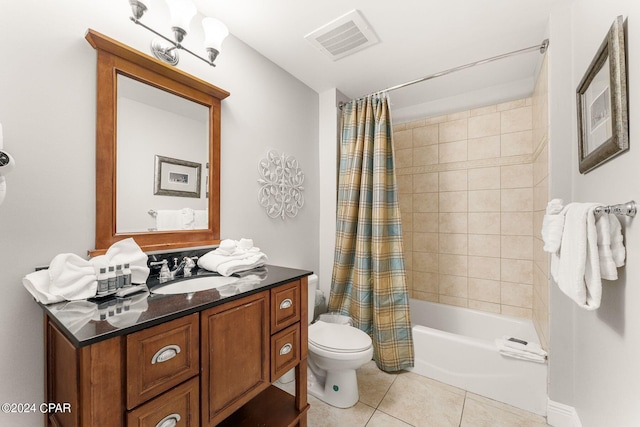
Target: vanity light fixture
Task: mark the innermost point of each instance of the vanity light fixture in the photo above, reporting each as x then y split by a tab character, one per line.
182	12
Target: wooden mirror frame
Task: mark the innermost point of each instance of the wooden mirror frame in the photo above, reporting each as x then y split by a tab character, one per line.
116	58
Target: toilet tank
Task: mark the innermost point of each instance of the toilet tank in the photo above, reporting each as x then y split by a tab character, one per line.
313	287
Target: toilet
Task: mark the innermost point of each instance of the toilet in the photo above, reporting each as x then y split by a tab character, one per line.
336	350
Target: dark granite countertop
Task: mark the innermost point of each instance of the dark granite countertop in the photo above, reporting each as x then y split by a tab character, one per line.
89	321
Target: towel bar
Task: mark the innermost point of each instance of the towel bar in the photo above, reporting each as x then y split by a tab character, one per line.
628	209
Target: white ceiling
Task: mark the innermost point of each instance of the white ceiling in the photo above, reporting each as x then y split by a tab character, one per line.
417	38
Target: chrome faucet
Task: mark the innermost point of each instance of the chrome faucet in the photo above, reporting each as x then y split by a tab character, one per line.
189	263
165	273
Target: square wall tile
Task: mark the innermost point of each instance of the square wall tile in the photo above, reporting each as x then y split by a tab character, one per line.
483	148
405	184
426	155
484	245
453	222
517	247
455	180
425	135
426	282
425	296
455	286
402	139
517	223
424	262
509	310
484	222
482	110
425	182
450	152
489	307
484	201
457	301
516	271
453	265
425	222
452	201
516	143
484	267
425	242
516	120
516	200
484	290
455	130
452	243
404	158
485	125
484	178
425	202
516	294
516	176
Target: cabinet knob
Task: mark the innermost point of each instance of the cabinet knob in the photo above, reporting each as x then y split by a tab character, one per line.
169	421
165	353
286	349
286	304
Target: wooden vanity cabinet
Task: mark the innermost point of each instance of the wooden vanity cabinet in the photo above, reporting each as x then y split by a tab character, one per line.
210	368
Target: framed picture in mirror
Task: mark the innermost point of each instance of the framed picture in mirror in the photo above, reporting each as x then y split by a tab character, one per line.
174	177
603	127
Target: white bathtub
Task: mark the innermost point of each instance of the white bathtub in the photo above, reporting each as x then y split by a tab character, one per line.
456	346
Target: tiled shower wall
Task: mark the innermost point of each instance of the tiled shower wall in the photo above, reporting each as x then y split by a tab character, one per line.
466	191
540	198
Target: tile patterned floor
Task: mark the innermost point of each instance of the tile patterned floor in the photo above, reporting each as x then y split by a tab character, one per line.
407	399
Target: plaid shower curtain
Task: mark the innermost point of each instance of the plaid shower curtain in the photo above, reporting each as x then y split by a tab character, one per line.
368	281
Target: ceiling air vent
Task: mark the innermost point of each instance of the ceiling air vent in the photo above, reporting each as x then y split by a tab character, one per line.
343	36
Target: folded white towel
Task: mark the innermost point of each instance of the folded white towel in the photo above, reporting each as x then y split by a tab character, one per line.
71	278
617	247
168	220
552	226
200	219
576	268
518	354
608	269
232	257
526	346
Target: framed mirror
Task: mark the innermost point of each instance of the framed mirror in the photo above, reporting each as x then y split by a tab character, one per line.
157	127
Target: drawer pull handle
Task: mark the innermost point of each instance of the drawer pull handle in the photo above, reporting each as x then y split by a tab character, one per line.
286	304
286	349
164	354
169	421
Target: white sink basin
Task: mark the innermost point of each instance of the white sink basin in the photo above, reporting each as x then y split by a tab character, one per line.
194	285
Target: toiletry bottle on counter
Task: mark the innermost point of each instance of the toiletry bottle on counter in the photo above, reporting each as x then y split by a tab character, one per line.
127	275
119	277
103	281
111	275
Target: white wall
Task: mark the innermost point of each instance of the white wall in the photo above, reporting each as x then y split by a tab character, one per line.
48	107
594	359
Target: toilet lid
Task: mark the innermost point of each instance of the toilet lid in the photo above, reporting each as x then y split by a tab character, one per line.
338	338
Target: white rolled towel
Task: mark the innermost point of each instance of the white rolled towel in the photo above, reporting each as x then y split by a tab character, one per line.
608	269
552	226
617	246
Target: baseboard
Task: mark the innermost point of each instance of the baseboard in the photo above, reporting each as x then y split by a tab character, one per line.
561	415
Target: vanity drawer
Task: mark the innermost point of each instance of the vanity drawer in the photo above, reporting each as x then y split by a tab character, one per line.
285	305
180	405
161	357
285	351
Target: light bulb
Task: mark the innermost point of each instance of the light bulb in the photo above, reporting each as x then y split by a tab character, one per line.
214	33
182	12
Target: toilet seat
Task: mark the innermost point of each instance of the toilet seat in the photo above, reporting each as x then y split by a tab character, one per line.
338	338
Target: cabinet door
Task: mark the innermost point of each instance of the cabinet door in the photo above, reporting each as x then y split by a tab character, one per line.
235	355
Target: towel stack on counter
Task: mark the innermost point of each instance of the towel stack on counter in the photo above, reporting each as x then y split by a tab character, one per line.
584	248
233	256
519	349
71	278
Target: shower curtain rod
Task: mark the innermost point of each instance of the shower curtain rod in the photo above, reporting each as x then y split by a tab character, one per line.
542	48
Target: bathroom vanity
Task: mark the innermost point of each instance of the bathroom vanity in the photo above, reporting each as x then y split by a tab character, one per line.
206	358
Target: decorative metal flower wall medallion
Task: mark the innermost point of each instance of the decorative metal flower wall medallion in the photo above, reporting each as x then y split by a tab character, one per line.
281	187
